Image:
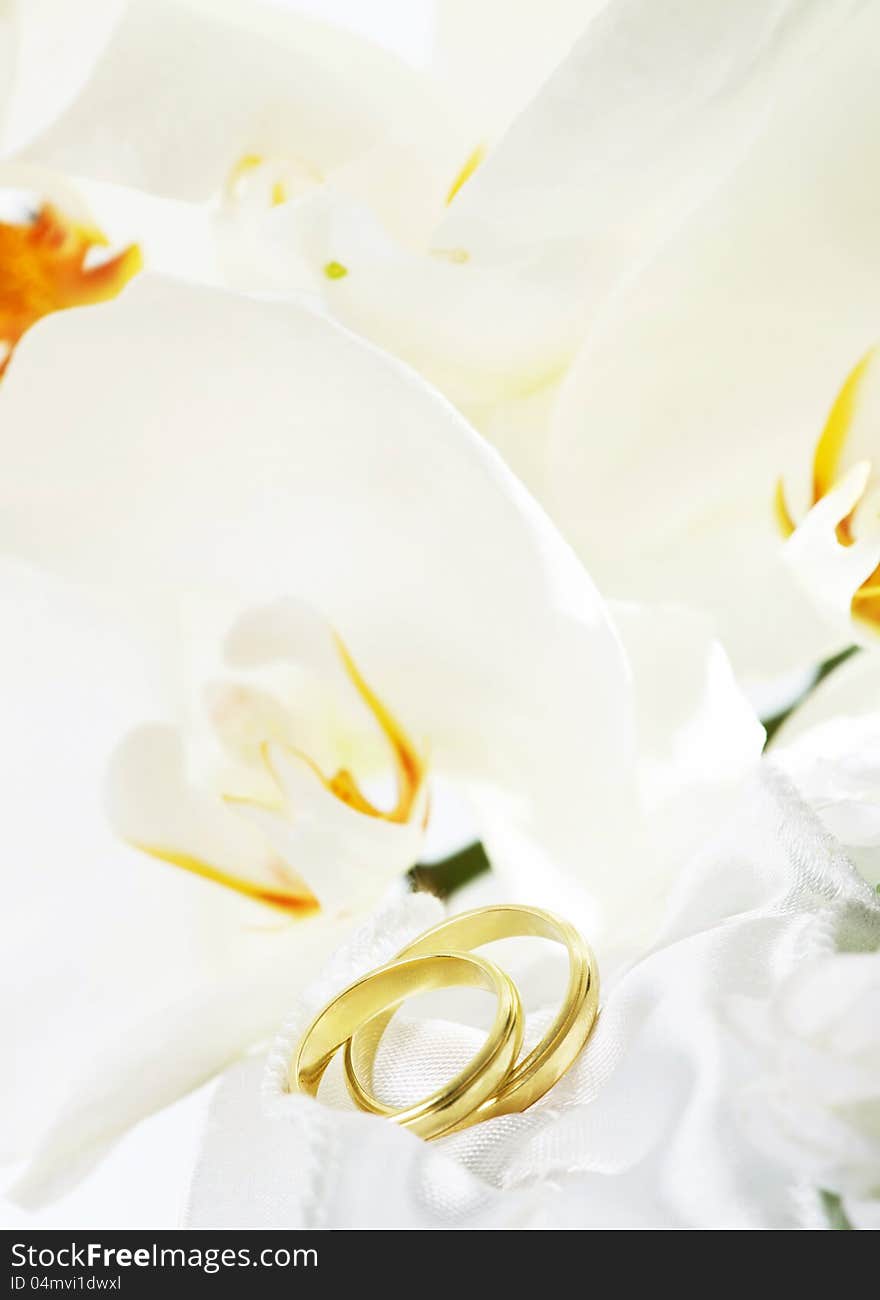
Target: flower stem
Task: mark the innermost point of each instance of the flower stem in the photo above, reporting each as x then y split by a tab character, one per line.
447	875
773	723
833	1207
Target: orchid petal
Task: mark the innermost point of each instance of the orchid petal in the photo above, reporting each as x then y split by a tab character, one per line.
340	493
238	81
154	809
481	331
830	572
52	46
493	57
742	330
641	119
343	853
114	957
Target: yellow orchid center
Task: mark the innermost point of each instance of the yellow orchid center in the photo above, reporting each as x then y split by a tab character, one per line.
43	269
274	180
280	886
827	460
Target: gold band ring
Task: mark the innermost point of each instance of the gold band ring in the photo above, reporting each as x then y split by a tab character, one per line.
380	993
549	1059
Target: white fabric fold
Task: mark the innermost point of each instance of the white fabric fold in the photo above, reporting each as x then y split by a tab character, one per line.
645	1131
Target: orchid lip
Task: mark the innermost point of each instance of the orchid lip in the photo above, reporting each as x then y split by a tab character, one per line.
285	890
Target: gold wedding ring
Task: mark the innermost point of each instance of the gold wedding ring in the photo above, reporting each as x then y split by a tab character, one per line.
382	991
494	1083
533	1076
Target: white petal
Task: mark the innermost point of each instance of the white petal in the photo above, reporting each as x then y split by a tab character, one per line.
342	854
113	957
52	46
20	182
481	330
237	80
142	1057
634	127
494	56
646	113
715	374
175	237
829	572
851	691
152	806
288	648
698	743
7	60
695	725
279	456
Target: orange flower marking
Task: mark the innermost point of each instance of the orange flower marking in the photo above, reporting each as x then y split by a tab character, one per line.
283	892
408	764
827	471
42	269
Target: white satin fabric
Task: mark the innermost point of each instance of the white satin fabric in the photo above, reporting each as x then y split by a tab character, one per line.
653	1127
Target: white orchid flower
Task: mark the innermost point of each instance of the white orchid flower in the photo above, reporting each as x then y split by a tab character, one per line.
228	470
473	221
730	1081
739	360
134	970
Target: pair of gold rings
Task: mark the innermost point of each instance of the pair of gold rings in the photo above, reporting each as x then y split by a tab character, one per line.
495	1082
